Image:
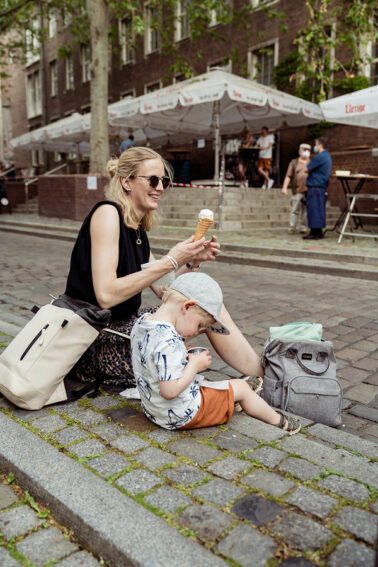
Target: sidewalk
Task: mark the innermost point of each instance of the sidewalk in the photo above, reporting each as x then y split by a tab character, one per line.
245	494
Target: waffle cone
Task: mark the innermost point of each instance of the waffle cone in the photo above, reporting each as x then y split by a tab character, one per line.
203	226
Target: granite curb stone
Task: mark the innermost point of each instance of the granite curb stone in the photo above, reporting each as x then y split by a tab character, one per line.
91	506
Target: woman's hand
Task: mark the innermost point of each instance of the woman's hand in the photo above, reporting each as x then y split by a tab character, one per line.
210	251
188	250
200	361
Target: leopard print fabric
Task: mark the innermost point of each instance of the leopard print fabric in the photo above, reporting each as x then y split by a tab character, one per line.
110	355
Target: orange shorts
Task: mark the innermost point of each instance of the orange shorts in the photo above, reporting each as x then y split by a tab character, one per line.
264	163
217	407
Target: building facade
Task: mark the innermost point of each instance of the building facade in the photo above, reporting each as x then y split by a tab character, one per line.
51	87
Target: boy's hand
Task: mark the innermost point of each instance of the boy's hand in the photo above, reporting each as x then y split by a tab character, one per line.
201	361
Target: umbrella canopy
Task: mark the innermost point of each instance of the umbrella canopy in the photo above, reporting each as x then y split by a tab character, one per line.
186	110
213	104
359	108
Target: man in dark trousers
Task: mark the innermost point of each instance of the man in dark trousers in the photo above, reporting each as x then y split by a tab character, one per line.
319	168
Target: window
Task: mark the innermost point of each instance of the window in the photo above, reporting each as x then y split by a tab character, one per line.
261	3
224	64
53	78
85	55
218	15
127	94
67	19
372	51
126	39
33	94
69	69
52	24
37	157
182	29
151	87
152	35
262	62
32	43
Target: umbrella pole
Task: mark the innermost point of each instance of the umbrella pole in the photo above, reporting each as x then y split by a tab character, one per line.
216	139
221	190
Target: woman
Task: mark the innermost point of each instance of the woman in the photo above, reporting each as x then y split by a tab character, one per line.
106	266
245	157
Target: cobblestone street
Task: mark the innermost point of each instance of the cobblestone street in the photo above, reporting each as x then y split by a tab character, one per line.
244	494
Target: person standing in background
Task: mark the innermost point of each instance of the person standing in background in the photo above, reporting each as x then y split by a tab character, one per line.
126	144
319	168
297	175
245	158
265	144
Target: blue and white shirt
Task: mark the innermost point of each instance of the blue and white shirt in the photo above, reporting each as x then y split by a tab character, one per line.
159	353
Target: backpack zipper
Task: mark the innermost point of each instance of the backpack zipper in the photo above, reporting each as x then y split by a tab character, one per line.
38	335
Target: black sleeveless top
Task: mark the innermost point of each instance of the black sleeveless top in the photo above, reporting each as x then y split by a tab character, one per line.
130	257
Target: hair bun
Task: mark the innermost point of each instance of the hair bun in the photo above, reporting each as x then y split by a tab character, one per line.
112	166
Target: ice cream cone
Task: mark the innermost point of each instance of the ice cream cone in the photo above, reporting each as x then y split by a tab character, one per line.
203	226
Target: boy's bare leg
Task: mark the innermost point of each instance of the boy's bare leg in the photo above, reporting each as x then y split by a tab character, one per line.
252	404
234	348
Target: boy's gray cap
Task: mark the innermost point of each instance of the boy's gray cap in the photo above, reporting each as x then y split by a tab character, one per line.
207	294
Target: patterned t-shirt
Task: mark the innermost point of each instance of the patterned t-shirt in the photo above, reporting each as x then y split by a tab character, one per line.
159	353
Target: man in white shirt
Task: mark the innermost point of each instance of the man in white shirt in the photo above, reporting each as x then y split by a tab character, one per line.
265	145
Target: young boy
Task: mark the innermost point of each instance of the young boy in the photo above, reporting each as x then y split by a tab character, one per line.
173	394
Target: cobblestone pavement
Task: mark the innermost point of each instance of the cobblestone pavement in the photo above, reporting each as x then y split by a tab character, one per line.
29	535
247	493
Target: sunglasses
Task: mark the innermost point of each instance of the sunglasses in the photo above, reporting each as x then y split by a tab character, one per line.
154	180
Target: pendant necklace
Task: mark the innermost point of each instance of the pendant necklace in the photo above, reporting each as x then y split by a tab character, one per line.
138	239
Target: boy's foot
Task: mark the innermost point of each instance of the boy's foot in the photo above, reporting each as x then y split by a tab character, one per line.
270	183
288	423
254	382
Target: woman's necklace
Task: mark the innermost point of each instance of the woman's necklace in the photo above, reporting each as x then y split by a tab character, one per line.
138	239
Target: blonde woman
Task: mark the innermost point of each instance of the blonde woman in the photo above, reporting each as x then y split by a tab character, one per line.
106	266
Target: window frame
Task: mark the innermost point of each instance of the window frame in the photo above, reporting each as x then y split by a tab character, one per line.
252	59
54	81
69	74
149	32
85	61
147	85
127	53
33	94
180	15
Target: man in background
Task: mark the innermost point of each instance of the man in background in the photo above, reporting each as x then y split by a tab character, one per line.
319	168
126	144
265	146
296	175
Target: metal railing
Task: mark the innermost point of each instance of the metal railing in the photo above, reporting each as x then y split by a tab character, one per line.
34	179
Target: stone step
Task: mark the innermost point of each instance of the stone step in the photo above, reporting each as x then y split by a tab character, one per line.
301	260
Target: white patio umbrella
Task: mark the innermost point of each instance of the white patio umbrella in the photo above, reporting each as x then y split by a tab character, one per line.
210	105
359	108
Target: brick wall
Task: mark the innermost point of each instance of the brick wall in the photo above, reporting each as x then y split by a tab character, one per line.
67	196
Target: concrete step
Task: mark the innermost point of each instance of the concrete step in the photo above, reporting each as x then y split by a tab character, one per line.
325	264
300	260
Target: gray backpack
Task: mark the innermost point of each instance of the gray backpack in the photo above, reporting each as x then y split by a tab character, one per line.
300	378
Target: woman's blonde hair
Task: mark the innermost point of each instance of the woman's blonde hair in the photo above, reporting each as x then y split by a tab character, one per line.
127	166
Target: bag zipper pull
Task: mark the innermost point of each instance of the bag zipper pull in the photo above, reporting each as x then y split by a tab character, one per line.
42	337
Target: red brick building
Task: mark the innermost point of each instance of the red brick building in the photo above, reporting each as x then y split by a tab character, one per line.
57	87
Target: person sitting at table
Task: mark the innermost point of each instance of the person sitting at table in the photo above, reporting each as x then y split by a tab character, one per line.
106	261
319	168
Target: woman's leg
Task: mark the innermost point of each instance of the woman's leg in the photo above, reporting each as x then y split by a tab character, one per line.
252	404
235	349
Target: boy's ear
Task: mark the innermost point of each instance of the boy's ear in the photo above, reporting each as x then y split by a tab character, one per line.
188	304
